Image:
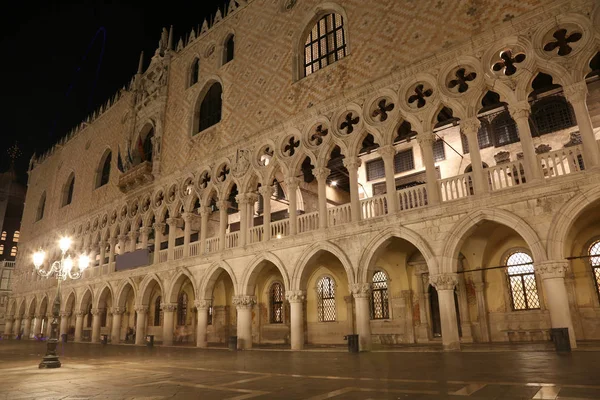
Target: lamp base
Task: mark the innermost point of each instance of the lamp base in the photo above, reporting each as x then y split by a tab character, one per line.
50	360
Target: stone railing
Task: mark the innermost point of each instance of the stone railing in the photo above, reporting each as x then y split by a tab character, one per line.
456	187
374	207
232	240
506	175
339	215
280	229
255	234
178	252
561	162
308	222
212	245
137	176
412	197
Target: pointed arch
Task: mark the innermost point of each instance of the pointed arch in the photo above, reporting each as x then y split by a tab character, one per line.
104	168
194	71
44	300
456	237
87	294
67	190
122	292
69	300
252	271
105	291
31	307
177	283
146	286
211	276
311	251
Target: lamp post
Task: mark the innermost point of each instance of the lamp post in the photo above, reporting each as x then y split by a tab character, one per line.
61	270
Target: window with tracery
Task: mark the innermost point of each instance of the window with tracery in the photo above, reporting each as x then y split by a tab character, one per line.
325	44
594	252
276	294
105	171
158	312
210	109
41	207
326	299
16	236
182	308
379	296
521	278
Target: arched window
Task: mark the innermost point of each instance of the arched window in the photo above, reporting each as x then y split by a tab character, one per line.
158	313
326	299
594	252
325	44
229	49
68	191
551	114
146	146
16	236
504	129
104	173
210	109
521	277
380	308
195	72
13	251
182	308
41	206
276	294
3	235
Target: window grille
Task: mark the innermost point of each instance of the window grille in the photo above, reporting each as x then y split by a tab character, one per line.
13	251
158	313
325	44
375	169
229	49
182	308
439	151
16	236
523	286
195	72
484	135
3	236
465	143
595	262
277	303
210	109
105	175
551	114
504	129
379	296
404	161
326	299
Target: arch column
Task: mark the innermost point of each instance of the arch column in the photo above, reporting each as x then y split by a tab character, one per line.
173	224
445	284
133	236
321	174
8	321
122	241
145	232
27	327
223	221
202	306
520	113
576	94
115	332
102	252
362	295
352	164
168	310
159	228
204	214
552	274
111	254
244	305
37	325
482	314
266	192
17	325
140	326
421	275
243	201
296	298
292	186
470	128
96	313
187	232
79	325
387	154
426	141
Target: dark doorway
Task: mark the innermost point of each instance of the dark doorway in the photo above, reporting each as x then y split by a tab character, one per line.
434	304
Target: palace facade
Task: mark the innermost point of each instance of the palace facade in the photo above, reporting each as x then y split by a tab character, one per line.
409	171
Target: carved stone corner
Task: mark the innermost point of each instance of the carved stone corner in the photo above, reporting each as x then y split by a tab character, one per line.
137	176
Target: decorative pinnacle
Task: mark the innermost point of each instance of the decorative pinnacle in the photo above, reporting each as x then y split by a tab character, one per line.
141	63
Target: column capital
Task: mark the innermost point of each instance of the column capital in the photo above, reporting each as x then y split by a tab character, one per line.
223	204
576	92
295	296
159	226
251	198
203	304
80	313
141	309
112	241
97	311
386	152
134	234
242	199
321	173
168	307
266	191
426	138
146	230
470	126
122	238
292	182
360	290
352	163
444	281
118	310
187	217
173	222
242	302
204	211
518	110
551	269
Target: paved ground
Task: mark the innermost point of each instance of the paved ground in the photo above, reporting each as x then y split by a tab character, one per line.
93	371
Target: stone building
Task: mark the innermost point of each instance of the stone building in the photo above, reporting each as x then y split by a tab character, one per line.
301	170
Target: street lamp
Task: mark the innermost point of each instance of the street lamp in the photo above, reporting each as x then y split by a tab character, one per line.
61	270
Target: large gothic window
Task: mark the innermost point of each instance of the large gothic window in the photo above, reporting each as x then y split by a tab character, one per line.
521	278
326	299
380	308
229	49
210	109
68	191
41	207
325	44
158	313
104	172
594	253
195	72
182	308
276	294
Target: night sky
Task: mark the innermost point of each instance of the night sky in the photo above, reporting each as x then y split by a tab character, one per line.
61	61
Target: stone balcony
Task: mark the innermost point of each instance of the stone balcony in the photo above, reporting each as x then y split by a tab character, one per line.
136	176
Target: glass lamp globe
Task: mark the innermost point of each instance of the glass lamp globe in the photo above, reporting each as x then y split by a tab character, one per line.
64	243
84	262
68	264
38	258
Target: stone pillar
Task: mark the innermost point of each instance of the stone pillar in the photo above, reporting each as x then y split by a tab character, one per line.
8	325
252	199
159	228
111	254
187	232
122	241
102	252
296	299
168	310
362	296
202	306
223	221
421	271
444	284
204	214
482	314
350	313
96	313
292	187
27	327
64	323
555	294
172	222
242	200
470	128
133	236
352	164
266	193
321	174
520	113
115	332
244	305
37	325
576	94
463	307
79	325
145	233
140	326
17	325
426	141
388	153
409	326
